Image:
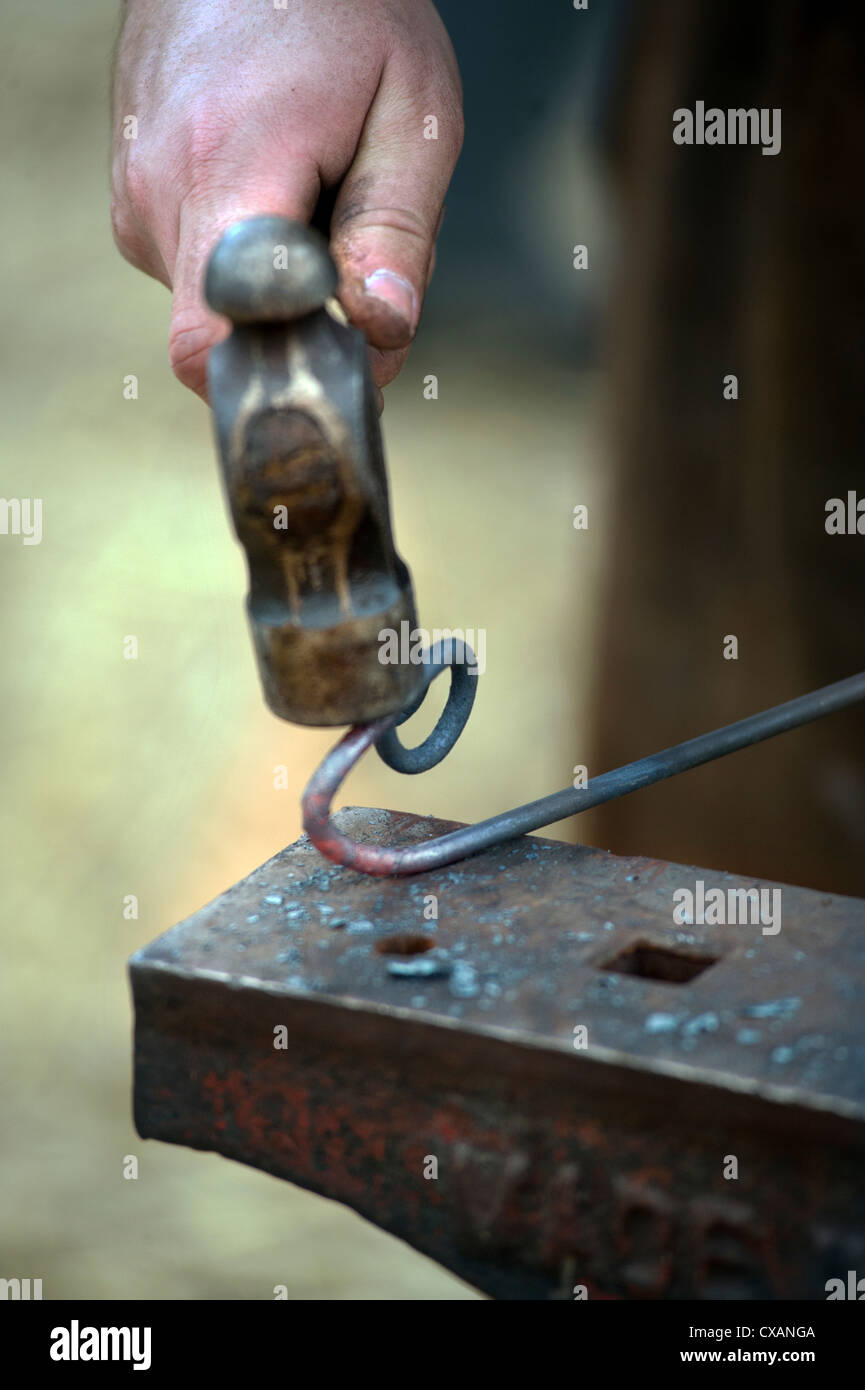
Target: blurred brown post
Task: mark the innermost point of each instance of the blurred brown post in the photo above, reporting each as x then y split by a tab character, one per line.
732	261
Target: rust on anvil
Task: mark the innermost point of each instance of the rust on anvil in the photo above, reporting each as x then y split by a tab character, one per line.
525	1067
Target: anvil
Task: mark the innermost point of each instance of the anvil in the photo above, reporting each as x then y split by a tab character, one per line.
527	1066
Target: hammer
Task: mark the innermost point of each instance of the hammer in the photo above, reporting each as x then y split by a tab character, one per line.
303	466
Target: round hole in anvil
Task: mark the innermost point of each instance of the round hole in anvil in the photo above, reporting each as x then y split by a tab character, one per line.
407	944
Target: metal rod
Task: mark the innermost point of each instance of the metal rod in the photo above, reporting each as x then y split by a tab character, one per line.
445	849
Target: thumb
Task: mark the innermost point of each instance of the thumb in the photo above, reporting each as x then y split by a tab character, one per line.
203	219
387	216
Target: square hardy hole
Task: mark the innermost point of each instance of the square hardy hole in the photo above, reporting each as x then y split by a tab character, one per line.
651	962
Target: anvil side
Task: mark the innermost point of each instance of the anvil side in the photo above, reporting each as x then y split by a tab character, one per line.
524	1067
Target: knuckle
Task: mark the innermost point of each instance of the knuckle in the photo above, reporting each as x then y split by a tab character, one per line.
361	210
134	185
123	228
130	224
128	237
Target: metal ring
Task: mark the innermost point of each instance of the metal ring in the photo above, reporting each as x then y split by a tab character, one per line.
454	655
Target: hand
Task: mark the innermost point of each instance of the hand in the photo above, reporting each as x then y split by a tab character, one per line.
244	108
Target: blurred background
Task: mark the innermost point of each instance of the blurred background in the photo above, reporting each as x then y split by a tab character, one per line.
155	776
557	387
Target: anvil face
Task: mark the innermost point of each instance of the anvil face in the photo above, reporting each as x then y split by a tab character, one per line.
532	1067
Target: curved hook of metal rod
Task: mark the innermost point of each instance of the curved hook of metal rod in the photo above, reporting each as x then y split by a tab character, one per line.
464	680
446	849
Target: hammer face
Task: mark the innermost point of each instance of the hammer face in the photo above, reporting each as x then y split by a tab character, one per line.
302	462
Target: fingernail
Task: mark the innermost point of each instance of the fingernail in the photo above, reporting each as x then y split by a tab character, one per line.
395	291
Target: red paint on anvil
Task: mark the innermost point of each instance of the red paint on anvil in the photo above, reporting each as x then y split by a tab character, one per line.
652	1176
369	1132
211	1086
414	1156
347	1145
314	1138
591	1134
239	1100
444	1124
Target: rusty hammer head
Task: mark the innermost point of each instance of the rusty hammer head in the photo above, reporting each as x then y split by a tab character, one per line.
300	447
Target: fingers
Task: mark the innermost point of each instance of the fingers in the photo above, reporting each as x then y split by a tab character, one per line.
245	115
203	218
388	213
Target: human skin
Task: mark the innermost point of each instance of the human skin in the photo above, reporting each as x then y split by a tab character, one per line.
243	108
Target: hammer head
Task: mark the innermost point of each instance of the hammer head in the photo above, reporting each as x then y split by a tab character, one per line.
301	454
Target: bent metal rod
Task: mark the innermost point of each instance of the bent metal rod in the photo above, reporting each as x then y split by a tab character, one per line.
386	861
